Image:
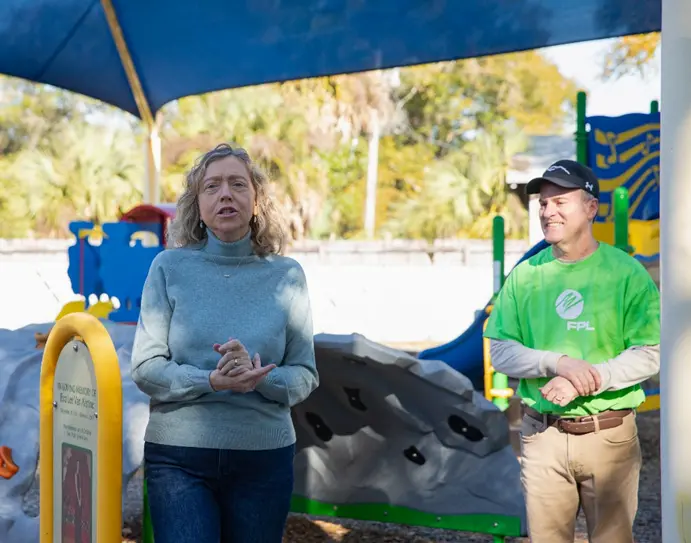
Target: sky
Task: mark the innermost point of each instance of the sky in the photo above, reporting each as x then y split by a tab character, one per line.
630	94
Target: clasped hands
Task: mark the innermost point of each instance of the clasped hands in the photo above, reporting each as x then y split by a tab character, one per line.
574	378
236	371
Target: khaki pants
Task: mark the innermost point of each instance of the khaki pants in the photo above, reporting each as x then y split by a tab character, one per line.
598	472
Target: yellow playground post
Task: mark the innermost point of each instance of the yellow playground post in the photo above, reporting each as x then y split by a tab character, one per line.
80	434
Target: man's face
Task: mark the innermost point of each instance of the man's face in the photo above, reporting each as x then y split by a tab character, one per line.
564	213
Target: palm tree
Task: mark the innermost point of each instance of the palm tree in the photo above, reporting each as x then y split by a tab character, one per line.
84	171
463	191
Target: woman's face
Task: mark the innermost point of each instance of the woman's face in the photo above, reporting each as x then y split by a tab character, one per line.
227	198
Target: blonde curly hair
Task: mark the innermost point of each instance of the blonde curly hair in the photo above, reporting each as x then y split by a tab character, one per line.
268	228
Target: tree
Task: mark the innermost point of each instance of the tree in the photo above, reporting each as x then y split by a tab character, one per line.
461	194
83	171
444	131
449	100
629	55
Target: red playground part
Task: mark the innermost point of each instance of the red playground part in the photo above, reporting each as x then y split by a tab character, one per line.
7	466
143	213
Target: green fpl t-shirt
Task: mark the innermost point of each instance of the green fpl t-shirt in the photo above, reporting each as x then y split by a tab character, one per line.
592	309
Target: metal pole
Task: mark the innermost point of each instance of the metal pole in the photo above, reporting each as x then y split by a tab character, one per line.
372	175
581	132
499	380
152	150
153	144
675	262
621	218
498	252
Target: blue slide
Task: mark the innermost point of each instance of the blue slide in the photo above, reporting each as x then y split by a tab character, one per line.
464	353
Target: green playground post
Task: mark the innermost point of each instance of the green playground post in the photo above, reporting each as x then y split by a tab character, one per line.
498	252
499	380
620	197
654	106
581	132
147	527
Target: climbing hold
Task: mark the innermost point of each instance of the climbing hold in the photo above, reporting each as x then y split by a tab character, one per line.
320	428
7	466
460	426
414	455
354	399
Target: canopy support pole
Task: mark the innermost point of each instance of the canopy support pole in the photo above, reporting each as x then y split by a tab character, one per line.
152	148
675	261
153	142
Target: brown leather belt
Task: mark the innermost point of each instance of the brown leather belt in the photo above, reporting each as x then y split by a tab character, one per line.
581	425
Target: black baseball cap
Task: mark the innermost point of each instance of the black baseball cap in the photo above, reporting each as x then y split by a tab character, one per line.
567	174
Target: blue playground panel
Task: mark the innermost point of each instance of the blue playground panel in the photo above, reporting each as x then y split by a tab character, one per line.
85	279
625	151
117	267
125	265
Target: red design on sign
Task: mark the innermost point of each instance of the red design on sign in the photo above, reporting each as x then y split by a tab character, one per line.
77	473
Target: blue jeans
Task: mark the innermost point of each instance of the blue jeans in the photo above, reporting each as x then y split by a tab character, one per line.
210	496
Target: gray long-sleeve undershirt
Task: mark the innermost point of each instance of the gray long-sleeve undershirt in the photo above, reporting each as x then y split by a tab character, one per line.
629	368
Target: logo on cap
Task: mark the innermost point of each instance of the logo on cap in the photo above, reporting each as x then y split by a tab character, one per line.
588	186
552	168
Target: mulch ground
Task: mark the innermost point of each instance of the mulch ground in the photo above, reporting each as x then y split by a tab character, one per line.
647	529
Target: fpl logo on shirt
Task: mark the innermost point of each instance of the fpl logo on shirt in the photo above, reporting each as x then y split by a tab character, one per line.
569	306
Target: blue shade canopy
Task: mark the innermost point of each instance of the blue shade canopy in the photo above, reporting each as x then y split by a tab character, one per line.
185	47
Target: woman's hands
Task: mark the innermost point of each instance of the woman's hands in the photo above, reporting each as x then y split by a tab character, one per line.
235	370
234	356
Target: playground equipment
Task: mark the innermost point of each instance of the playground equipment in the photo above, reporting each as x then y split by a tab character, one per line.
96	267
7	466
114	258
624	153
496	384
370	443
466	353
80	433
428	462
413	437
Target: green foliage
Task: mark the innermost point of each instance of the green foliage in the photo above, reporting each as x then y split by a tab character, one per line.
461	191
447	134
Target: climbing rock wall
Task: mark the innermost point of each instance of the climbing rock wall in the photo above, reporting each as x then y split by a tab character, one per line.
382	428
386	428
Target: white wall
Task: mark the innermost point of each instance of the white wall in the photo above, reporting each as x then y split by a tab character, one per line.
388	293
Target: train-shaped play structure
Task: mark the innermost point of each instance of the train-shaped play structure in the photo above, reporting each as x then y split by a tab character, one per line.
420	439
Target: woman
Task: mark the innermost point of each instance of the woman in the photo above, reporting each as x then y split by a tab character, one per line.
224	348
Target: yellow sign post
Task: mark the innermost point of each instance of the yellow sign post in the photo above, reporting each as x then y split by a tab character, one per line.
81	434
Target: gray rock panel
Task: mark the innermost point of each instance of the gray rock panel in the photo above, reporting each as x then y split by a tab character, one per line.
382	427
386	427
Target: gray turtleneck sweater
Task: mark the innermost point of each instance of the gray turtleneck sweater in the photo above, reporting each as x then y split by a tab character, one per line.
197	296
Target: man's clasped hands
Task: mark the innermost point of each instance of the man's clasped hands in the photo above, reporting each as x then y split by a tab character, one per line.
574	378
236	370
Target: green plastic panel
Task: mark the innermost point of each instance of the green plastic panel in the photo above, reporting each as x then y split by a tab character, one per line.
485	524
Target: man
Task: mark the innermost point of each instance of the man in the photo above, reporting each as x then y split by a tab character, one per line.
579	325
